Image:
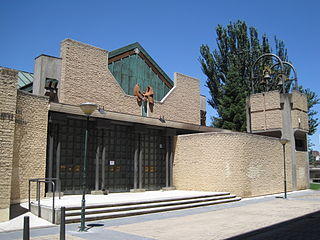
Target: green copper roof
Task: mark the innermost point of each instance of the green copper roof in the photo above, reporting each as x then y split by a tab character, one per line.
25	81
133	46
24	78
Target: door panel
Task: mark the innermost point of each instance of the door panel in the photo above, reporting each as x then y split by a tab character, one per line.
118	143
154	160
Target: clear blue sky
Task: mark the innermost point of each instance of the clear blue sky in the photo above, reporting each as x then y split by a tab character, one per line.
170	30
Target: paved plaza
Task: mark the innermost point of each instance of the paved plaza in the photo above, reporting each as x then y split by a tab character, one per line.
265	217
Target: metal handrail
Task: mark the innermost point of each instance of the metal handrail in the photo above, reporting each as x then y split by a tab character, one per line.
48	179
44	180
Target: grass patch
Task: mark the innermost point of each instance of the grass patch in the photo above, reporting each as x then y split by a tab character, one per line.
315	186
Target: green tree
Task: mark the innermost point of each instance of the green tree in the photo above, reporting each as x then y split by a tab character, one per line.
228	70
234	96
313	100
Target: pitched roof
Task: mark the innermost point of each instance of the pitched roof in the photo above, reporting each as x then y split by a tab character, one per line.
136	48
24	79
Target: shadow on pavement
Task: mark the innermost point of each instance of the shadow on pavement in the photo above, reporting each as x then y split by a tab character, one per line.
305	227
16	210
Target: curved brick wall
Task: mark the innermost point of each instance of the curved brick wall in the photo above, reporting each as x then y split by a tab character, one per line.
240	163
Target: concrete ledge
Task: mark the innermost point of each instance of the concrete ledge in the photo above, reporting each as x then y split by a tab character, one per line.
168	188
100	192
137	190
56	194
46	212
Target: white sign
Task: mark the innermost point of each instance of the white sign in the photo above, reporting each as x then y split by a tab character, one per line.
111	163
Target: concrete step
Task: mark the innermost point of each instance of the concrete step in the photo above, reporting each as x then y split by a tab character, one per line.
138	202
73	216
117	208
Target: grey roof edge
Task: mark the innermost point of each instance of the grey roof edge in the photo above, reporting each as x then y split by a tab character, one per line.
230	132
111	115
121	50
132	46
45	55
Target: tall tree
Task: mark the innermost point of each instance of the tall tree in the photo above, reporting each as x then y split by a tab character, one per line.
228	70
313	100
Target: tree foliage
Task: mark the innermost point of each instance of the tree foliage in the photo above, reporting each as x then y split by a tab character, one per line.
228	70
312	99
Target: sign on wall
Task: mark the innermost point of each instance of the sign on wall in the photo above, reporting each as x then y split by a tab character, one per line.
11	117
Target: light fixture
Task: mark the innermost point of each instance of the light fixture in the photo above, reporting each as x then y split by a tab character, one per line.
284	141
88	108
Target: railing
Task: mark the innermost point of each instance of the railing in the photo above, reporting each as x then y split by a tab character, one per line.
44	180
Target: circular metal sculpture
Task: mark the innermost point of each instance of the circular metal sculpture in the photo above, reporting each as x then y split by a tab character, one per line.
270	73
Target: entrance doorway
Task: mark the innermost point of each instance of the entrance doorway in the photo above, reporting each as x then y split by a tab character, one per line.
111	152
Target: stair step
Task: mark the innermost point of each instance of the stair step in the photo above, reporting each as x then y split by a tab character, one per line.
100	216
139	202
117	208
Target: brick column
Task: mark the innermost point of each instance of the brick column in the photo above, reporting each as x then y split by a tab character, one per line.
8	100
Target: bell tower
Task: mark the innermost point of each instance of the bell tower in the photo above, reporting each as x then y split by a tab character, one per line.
276	108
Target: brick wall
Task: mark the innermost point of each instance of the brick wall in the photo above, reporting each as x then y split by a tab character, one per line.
299	120
23	139
30	144
299	101
266	100
299	113
265	111
8	94
182	103
302	170
243	164
85	77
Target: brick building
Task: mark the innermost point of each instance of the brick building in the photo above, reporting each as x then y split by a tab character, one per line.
136	142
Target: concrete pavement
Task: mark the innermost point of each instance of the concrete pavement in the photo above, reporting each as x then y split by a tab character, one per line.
255	218
223	223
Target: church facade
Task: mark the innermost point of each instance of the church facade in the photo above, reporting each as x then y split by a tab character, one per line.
148	132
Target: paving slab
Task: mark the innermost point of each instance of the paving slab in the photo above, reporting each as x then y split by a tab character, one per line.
266	217
17	223
55	237
224	223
